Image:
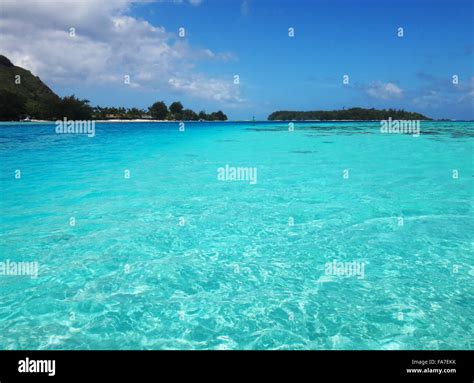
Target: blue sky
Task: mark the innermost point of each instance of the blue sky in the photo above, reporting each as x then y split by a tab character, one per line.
250	39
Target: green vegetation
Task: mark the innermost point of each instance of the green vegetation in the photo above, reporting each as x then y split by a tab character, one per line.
100	113
12	105
190	115
347	114
21	91
176	111
158	110
24	95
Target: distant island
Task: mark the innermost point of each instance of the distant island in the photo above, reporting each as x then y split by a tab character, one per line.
24	95
347	114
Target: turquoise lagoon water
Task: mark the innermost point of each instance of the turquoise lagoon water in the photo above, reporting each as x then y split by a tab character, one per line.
174	258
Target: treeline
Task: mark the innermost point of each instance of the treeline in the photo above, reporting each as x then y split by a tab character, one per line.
14	106
176	111
158	111
347	114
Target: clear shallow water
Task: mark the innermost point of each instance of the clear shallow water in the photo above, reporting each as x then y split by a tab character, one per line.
236	275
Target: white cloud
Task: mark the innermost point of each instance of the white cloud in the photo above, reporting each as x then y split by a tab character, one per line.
244	8
431	99
192	2
108	44
467	90
440	92
384	91
206	88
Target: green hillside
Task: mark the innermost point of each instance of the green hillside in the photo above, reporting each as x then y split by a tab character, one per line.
27	95
23	95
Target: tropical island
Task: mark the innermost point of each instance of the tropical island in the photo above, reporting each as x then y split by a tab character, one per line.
346	114
24	95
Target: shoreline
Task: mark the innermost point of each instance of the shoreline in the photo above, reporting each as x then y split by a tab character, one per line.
227	121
